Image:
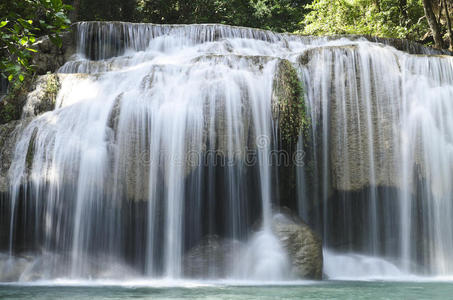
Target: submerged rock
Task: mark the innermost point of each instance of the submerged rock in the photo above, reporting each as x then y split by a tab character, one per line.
304	247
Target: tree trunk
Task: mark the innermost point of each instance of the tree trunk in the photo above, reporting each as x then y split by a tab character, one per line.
433	24
449	29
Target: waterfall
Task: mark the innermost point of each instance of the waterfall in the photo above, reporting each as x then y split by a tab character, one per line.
117	171
147	153
381	154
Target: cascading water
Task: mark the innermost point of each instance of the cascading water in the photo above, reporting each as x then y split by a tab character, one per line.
382	156
115	173
146	150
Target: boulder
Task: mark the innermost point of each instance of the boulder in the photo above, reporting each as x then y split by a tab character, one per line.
304	247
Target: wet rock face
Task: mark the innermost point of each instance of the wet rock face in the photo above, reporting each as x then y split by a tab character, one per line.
289	112
211	258
8	138
303	246
43	97
50	57
288	103
354	111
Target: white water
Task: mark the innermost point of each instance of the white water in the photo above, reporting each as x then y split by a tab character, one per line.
116	170
384	118
131	126
360	267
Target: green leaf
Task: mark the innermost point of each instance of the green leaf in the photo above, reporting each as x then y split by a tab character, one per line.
21	77
32	50
57	4
3	23
23	41
10	77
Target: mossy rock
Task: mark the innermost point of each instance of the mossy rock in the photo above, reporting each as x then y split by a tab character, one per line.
288	104
9	133
303	245
30	98
43	97
289	111
52	86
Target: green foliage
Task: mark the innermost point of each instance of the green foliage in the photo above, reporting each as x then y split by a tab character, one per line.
278	15
107	10
8	112
20	24
385	18
12	104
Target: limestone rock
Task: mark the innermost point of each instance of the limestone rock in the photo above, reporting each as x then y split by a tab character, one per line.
304	247
43	97
352	110
288	103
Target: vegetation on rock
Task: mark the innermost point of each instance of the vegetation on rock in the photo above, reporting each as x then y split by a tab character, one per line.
289	104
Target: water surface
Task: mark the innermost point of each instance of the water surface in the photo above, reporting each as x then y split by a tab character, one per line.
310	290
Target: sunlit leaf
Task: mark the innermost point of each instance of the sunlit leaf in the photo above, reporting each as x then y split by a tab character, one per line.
23	41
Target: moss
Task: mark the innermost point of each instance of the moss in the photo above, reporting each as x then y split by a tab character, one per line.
51	89
290	111
289	105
